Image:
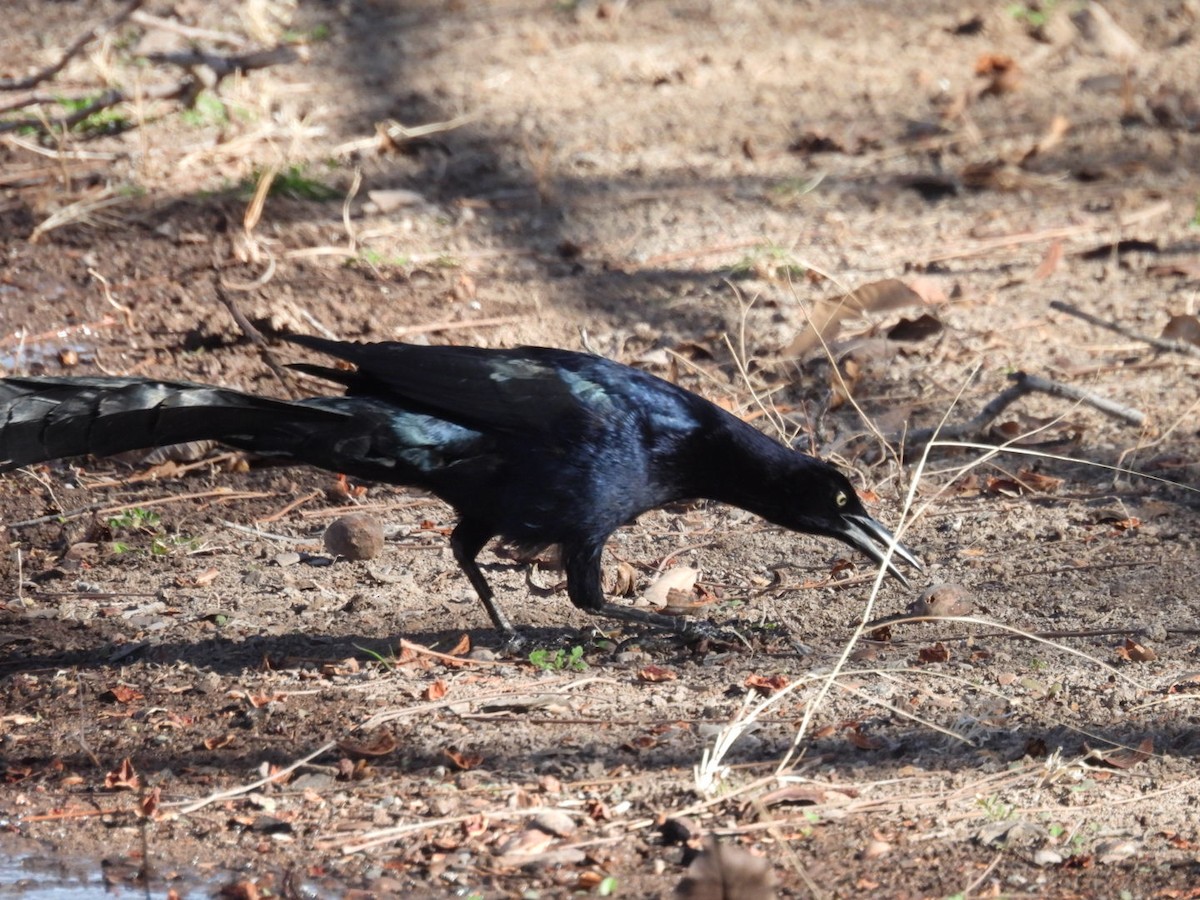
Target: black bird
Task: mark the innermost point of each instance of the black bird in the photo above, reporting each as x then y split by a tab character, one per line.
536	446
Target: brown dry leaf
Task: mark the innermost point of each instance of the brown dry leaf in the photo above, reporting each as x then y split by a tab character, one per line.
727	872
826	318
918	329
525	843
380	744
203	579
863	741
938	653
625	581
462	760
1001	71
654	674
462	648
1039	483
1124	757
1004	487
680	578
147	806
641	743
347	666
1132	651
1050	261
1183	328
218	743
435	691
766	684
1130	523
122	693
124	778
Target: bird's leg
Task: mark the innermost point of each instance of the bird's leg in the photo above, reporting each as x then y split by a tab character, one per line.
466	541
688	629
582	563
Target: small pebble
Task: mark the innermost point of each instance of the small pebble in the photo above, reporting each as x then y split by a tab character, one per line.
555	822
355	536
946	599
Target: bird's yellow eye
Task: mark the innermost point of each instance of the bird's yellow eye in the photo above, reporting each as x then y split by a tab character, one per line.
841	499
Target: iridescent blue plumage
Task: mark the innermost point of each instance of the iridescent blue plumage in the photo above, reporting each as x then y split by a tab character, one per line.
534	445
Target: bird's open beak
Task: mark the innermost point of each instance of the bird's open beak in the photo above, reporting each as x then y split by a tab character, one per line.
869	536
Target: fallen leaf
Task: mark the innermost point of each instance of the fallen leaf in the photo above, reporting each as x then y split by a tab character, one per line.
863	741
655	674
1001	71
218	743
1182	328
380	744
826	318
124	778
766	684
122	693
680	578
435	691
1123	757
1132	651
461	760
1039	483
938	653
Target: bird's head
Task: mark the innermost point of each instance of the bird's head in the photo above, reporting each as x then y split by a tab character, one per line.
818	499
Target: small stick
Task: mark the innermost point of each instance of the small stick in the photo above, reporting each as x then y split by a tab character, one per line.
1025	384
1158	343
279	514
254	785
251	332
1059	389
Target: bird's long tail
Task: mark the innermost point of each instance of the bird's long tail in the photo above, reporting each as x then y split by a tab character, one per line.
49	418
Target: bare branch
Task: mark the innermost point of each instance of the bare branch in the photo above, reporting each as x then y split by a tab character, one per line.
1158	343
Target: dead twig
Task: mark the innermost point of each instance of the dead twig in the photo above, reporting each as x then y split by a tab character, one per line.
1166	344
98	30
254	335
1032	383
254	785
1024	384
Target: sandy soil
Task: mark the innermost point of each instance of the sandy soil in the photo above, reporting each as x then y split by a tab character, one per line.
192	691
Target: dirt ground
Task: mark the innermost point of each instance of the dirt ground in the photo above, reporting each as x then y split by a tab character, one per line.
196	697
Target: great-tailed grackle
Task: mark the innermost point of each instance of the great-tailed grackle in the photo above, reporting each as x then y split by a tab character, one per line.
534	445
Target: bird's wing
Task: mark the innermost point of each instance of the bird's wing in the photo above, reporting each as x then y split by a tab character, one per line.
530	389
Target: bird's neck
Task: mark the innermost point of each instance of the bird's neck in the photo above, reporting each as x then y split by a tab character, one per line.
737	464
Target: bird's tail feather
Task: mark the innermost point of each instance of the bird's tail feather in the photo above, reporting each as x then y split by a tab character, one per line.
49	418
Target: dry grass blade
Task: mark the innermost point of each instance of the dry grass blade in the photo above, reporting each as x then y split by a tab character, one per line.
81	212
